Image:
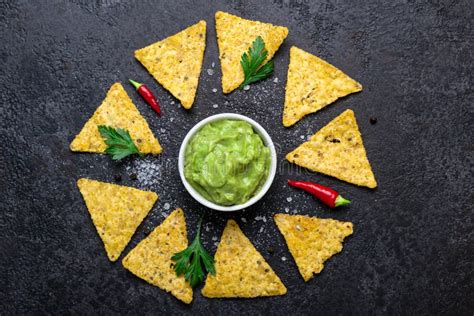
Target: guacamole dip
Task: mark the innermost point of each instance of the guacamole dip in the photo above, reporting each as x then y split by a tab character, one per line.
226	162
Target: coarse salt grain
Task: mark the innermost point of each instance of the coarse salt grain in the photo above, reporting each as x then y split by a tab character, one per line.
261	229
243	220
283	258
210	71
214	238
166	206
213	64
148	171
214	90
246	87
215	106
275	80
287	209
289	199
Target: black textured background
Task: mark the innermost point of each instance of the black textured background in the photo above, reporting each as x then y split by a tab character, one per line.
412	250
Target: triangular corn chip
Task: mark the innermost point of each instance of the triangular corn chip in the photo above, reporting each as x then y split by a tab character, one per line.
176	61
116	212
151	260
117	111
312	240
235	36
337	150
241	271
313	84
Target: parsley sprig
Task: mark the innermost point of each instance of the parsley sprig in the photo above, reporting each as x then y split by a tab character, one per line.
252	63
119	142
190	261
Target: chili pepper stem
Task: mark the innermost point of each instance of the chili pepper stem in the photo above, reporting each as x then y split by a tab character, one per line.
135	84
340	201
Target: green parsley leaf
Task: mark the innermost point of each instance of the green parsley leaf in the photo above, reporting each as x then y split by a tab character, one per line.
252	63
191	260
119	142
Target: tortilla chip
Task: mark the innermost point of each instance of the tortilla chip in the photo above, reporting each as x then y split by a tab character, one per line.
116	212
151	260
241	271
337	150
118	111
176	61
235	36
313	84
312	240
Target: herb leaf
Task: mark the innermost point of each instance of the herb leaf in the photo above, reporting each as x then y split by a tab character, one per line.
119	142
252	63
189	261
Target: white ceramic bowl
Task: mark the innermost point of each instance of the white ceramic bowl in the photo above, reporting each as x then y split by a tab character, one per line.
266	140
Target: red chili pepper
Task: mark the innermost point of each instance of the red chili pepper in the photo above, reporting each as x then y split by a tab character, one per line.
147	95
327	195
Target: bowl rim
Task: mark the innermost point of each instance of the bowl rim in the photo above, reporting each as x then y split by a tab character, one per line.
266	140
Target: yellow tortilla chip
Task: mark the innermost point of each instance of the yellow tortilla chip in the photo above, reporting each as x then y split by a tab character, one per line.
241	271
313	84
337	150
151	260
118	111
176	61
312	240
116	212
235	36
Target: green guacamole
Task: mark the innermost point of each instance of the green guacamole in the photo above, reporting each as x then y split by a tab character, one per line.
226	162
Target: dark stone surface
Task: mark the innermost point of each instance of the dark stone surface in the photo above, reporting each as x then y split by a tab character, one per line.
411	252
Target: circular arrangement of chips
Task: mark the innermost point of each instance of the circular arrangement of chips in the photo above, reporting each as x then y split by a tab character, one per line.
241	271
